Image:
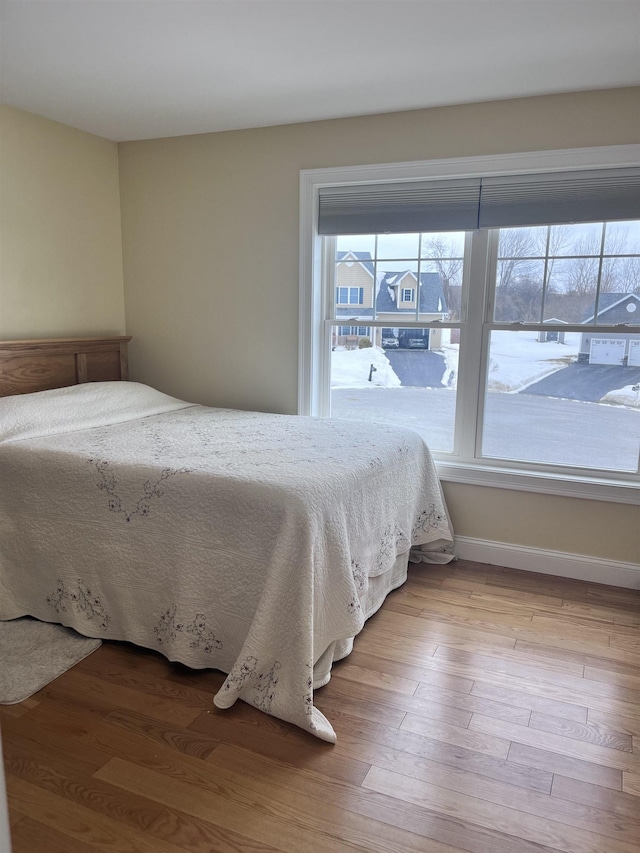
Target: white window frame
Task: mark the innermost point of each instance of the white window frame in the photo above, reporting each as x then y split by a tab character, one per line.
411	291
314	352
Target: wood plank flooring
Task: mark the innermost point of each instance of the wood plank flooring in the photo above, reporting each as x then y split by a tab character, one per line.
483	709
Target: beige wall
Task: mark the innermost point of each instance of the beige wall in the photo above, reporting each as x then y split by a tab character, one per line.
610	531
60	236
210	225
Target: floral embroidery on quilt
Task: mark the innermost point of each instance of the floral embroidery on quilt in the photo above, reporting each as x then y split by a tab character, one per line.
428	519
150	490
83	601
240	673
265	682
359	573
264	441
201	638
169	627
360	579
354	605
308	696
393	542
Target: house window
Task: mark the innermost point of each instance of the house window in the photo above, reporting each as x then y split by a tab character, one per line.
362	331
408	294
349	295
522	353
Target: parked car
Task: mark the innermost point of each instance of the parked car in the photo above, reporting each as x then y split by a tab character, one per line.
390	342
417	343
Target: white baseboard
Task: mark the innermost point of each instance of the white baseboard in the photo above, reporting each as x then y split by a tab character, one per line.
593	569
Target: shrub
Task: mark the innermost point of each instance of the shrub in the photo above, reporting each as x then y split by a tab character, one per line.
364	343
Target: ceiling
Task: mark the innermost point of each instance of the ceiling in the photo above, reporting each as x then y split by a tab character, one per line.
137	69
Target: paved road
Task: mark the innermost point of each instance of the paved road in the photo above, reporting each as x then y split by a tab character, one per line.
520	426
417	368
589	382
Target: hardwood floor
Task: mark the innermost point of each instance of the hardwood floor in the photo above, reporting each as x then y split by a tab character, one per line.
483	709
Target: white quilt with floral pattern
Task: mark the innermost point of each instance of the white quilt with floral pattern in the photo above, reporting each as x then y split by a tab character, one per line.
235	540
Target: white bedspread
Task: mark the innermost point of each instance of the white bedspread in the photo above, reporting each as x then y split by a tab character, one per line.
235	540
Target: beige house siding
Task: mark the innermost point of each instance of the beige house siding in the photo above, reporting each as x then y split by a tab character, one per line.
407	282
354	274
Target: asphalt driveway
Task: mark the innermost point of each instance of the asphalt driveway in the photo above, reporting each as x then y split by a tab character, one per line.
587	382
417	368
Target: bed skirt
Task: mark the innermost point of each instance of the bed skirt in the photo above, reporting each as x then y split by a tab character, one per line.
379	587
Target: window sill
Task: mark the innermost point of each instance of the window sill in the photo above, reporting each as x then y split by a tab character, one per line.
589	488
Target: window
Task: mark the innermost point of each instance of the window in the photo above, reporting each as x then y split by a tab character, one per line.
349	295
353	330
518	357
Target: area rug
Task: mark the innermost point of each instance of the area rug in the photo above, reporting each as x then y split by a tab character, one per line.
33	653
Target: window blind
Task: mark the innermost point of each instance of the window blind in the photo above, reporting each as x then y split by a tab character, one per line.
551	199
491	202
400	208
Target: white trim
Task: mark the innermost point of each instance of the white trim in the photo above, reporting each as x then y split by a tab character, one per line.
542	482
310	315
559	563
570	159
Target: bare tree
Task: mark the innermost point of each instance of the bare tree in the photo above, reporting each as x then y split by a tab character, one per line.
615	276
440	253
628	275
516	251
583	272
581	275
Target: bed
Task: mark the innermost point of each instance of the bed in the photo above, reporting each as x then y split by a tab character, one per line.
255	544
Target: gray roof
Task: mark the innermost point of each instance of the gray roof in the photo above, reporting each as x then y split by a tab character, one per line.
608	301
363	257
432	299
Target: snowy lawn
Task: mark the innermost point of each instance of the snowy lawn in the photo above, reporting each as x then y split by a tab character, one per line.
627	396
516	360
351	368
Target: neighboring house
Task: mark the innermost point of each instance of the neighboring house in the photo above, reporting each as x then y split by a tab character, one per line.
619	348
556	336
354	297
397	295
395	298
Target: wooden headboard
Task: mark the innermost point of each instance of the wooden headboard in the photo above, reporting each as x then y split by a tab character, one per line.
38	365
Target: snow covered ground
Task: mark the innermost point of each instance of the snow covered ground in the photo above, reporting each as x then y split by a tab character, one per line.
516	360
350	369
627	396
